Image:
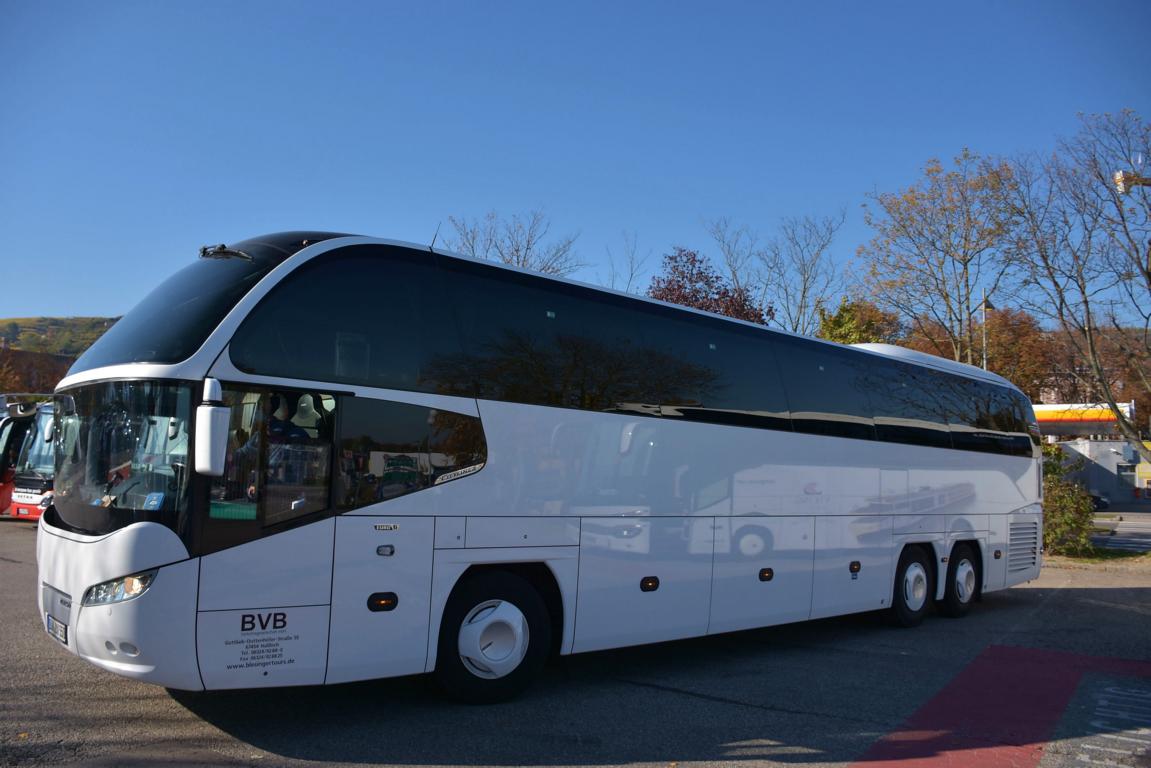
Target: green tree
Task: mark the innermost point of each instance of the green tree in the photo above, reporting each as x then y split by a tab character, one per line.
1068	513
858	321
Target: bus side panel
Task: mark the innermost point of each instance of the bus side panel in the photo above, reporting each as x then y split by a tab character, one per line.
290	568
763	576
853	564
376	558
264	609
995	568
618	605
262	647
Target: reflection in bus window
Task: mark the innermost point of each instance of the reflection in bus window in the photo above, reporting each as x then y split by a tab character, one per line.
389	449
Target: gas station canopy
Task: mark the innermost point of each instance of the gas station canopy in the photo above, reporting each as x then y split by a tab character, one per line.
1080	419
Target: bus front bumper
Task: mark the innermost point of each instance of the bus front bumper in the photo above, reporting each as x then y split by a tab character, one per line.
152	637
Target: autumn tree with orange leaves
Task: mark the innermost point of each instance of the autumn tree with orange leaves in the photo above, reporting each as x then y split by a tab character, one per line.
1018	348
938	245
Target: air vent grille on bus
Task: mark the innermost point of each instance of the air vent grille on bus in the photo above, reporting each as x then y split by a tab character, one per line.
1023	552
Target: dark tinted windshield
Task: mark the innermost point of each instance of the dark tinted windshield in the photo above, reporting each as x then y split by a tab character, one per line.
174	320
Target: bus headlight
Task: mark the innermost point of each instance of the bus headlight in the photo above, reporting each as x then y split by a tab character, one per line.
46	501
119	590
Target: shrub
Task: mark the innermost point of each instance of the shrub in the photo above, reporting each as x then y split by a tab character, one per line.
1068	517
1068	514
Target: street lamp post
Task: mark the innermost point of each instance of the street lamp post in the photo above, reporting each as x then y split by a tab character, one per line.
1125	180
984	306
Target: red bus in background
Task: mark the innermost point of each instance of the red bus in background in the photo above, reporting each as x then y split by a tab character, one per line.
34	468
16	419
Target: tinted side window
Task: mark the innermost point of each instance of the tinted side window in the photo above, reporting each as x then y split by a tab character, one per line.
907	405
742	385
984	417
12	434
391	449
1009	417
827	389
532	340
370	315
1030	423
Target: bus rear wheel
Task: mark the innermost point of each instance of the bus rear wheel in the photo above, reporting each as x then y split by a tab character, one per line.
962	586
494	638
913	588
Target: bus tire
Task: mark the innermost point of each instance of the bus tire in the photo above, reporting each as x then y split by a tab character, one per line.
913	588
963	580
494	638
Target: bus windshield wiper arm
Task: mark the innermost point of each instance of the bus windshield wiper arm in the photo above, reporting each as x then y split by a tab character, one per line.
222	251
113	499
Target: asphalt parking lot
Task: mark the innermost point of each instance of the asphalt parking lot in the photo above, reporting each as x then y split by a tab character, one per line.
1055	673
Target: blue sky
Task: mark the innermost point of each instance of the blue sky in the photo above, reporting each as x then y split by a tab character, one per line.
131	133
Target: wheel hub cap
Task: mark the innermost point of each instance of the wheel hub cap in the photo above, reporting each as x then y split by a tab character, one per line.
493	639
965	581
915	586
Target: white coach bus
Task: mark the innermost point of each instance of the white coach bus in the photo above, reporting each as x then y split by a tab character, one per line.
313	458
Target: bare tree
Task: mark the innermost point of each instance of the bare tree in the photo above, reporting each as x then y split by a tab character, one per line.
937	244
793	273
626	276
1083	256
519	241
799	273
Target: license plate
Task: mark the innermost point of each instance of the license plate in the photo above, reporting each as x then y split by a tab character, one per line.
58	629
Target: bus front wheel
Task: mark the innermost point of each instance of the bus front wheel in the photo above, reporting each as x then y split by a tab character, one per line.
913	588
494	638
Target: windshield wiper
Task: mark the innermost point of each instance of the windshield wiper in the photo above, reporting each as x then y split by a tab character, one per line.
222	251
113	499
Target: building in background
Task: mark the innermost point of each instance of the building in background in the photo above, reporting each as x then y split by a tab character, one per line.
1112	468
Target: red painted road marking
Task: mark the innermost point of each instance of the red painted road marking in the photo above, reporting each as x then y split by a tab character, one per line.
997	713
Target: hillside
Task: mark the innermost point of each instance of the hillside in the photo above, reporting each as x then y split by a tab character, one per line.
58	335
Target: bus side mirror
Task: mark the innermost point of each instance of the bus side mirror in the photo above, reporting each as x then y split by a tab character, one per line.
212	421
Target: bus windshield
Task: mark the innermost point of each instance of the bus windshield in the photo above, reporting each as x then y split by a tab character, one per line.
121	454
171	322
36	456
